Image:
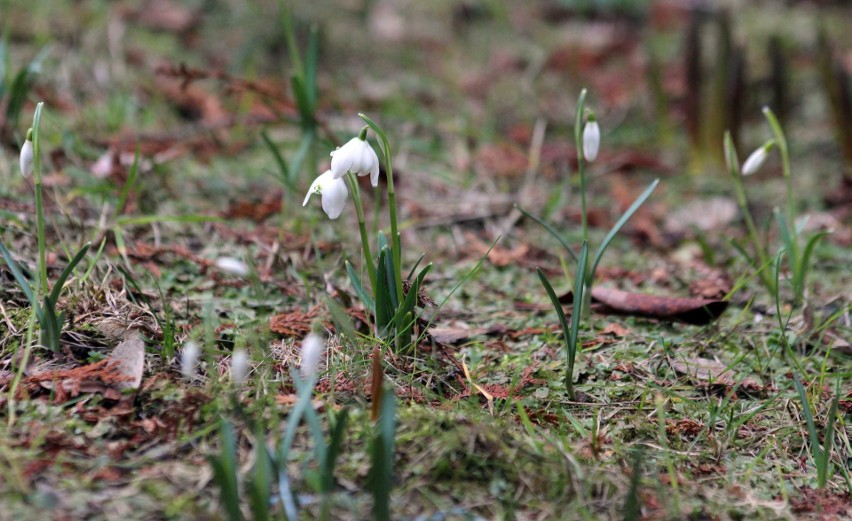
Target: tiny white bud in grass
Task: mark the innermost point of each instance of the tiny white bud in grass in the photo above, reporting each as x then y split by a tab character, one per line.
232	266
333	192
239	366
27	156
312	349
188	359
591	139
358	157
757	158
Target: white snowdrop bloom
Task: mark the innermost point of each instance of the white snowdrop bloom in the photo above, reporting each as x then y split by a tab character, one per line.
591	140
757	158
188	359
239	366
27	157
232	266
333	192
358	157
312	349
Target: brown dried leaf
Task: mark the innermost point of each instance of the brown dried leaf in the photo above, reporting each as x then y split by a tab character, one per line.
685	309
294	323
128	359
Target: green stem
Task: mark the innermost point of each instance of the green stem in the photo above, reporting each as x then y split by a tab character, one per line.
362	225
395	239
739	189
42	249
581	160
397	243
781	141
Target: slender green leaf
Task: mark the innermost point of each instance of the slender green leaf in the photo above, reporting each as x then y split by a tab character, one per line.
60	282
556	304
382	454
823	472
391	276
578	120
181	219
283	171
621	222
550	229
22	281
805	263
261	479
365	297
809	419
414	268
384	311
225	472
577	312
338	429
311	59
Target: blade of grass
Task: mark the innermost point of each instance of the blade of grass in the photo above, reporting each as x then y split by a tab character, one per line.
620	224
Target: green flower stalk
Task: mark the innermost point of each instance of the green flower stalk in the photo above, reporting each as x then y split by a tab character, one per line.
42	299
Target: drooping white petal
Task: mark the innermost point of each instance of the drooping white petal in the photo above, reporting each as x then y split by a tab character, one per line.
591	140
358	157
188	359
312	349
333	192
27	158
334	195
755	161
342	158
232	266
239	366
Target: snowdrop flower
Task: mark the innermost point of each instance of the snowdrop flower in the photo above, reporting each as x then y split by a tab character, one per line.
757	158
358	157
239	366
188	359
312	348
591	139
333	191
232	266
27	155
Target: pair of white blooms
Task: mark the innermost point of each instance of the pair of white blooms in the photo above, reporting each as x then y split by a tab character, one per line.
313	347
356	156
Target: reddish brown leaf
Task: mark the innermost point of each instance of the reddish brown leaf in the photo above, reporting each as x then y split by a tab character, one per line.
685	309
294	323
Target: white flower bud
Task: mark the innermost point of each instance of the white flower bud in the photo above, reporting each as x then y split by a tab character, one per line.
591	140
239	366
27	158
232	266
188	359
757	158
312	349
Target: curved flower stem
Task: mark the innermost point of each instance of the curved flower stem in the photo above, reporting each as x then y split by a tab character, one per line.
42	249
581	162
585	304
362	225
395	239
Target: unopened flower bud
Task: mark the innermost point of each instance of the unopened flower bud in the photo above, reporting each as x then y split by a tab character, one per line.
27	155
757	158
591	139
